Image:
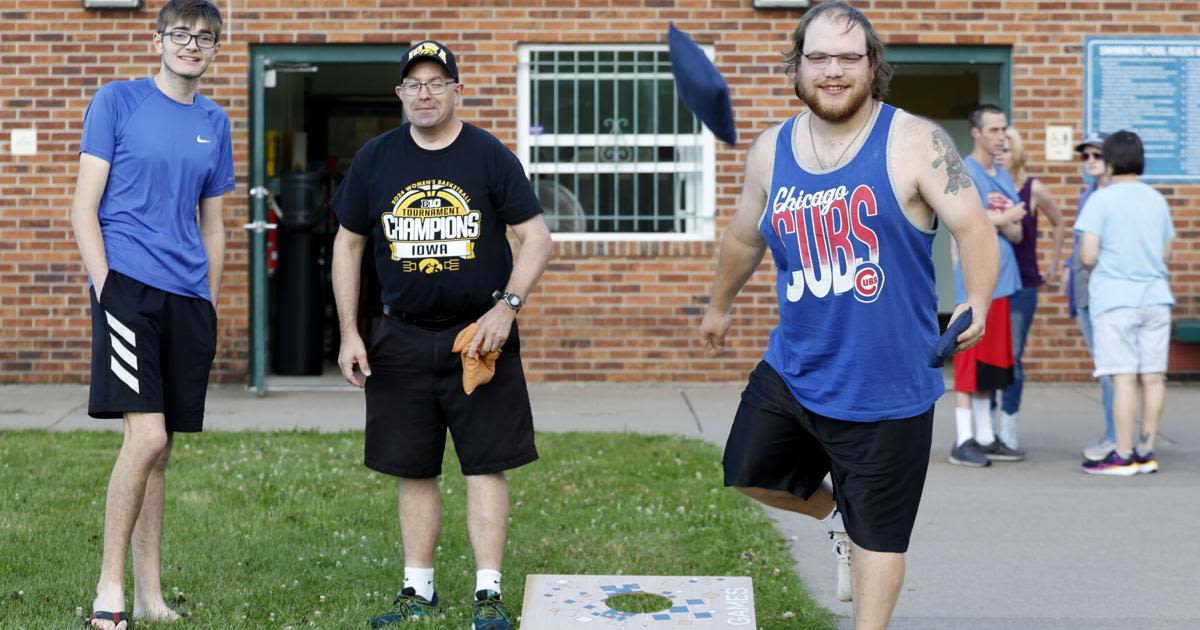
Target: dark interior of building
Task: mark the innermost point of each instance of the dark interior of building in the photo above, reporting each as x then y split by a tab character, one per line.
317	118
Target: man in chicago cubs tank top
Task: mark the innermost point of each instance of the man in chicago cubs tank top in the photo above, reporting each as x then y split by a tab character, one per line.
847	198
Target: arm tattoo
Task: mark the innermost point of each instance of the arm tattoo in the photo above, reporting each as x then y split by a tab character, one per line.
955	169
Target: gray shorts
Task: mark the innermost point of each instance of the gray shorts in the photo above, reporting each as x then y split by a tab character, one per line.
1132	340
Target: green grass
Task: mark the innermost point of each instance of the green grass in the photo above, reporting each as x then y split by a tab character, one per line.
277	530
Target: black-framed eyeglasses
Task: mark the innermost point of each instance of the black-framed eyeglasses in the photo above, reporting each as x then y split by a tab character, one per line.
845	60
183	38
1087	156
435	87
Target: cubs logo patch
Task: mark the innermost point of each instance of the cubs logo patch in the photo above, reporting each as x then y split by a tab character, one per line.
868	282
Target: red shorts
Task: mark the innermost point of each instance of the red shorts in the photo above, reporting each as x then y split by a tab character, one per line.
987	365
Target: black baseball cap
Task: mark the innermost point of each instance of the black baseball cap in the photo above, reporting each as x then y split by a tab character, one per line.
430	50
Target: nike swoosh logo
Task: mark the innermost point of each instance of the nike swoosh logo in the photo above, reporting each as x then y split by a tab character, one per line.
202	140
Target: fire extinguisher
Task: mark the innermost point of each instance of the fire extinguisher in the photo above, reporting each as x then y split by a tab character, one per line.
273	213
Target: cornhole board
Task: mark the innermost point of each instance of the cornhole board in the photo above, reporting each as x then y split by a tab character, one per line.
565	602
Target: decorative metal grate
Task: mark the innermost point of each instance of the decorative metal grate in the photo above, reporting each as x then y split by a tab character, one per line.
608	143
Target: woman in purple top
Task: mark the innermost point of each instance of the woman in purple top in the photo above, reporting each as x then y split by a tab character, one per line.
1022	304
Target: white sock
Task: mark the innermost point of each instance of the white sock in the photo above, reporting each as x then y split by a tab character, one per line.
833	522
420	580
1008	429
962	422
487	580
981	409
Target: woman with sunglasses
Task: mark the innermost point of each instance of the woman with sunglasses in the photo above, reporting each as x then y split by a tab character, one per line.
1091	153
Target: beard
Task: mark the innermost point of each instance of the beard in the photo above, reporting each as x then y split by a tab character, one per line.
811	95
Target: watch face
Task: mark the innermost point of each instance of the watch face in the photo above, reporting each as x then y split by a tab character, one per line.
513	300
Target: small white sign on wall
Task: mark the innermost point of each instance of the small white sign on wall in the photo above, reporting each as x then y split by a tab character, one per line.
1059	143
23	142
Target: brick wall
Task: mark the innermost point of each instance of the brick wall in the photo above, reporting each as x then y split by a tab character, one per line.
604	311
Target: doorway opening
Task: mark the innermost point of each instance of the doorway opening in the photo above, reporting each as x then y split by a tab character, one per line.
317	114
943	84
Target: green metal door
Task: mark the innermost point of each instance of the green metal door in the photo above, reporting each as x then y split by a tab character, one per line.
262	59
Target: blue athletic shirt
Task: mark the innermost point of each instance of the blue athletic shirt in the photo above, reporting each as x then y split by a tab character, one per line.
996	192
855	282
1135	230
165	157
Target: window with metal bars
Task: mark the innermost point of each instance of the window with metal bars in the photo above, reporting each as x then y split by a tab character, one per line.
609	145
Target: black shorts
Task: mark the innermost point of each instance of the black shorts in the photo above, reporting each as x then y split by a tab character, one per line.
151	353
878	468
415	393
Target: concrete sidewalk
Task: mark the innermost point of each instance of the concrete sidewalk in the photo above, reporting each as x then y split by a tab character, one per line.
1031	545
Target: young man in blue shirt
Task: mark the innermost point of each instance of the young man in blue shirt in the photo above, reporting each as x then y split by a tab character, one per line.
155	159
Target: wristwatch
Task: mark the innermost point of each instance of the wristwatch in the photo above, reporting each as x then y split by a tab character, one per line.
512	300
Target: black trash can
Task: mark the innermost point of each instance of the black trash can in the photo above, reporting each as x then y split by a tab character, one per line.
296	344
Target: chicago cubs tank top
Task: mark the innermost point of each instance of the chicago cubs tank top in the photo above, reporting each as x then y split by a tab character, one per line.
855	283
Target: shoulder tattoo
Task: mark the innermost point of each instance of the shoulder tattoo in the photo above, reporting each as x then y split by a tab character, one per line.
955	169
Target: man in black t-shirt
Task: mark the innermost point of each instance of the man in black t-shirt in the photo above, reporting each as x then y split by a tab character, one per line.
436	197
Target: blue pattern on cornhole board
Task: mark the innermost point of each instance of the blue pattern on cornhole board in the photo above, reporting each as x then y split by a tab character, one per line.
684	607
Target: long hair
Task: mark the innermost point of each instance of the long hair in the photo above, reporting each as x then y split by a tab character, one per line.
852	17
1018	155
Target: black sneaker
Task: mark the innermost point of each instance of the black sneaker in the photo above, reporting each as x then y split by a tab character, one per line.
408	606
488	612
1001	452
969	453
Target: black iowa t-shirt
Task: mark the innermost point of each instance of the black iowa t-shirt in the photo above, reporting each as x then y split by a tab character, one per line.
437	219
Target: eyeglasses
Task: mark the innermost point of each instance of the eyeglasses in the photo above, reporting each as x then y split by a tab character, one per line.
435	87
1088	156
183	38
845	60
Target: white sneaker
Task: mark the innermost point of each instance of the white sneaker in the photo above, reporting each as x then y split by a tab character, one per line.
1098	451
841	549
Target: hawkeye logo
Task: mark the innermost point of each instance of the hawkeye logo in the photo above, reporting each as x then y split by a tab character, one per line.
428	49
431	227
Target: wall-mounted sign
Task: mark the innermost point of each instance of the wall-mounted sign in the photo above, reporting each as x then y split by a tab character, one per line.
781	4
23	142
1150	86
1059	143
112	4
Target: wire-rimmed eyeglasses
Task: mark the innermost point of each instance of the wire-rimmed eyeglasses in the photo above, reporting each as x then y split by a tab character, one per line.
845	60
435	87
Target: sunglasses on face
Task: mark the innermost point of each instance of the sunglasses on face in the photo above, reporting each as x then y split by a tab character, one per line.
1087	156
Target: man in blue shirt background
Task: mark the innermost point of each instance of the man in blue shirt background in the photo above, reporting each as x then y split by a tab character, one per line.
155	159
987	368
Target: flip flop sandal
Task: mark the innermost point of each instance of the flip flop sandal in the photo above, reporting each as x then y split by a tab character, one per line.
115	617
